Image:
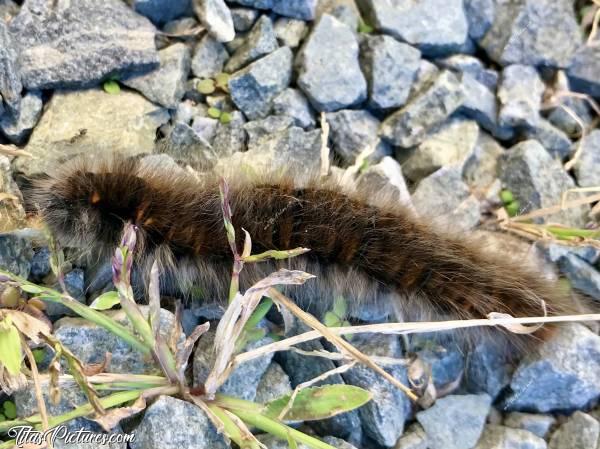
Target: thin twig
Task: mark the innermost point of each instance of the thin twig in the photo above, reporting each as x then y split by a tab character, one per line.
10	150
324	145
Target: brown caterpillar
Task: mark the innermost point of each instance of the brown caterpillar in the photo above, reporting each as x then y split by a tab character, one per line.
375	255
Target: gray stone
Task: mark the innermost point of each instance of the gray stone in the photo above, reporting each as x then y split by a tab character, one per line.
254	87
520	95
185	145
499	437
292	103
328	68
385	180
165	85
205	127
584	70
8	9
231	137
446	364
480	170
480	15
351	132
258	4
11	209
209	57
554	251
10	76
420	23
187	110
90	342
538	181
430	107
488	369
74	282
455	422
444	197
390	68
426	74
81	42
384	416
563	374
259	129
243	18
125	123
450	145
15	254
216	17
345	14
18	129
539	425
581	431
564	121
413	438
243	381
586	167
274	384
338	443
471	65
161	11
171	423
533	32
300	370
297	9
259	42
556	142
40	264
290	32
583	276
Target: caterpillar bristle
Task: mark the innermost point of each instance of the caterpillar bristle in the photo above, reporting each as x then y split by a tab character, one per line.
380	255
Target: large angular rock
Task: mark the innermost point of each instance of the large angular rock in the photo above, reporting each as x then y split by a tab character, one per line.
351	132
480	170
563	374
124	123
586	167
537	180
274	384
11	209
431	106
254	87
556	142
455	422
290	32
449	145
77	43
385	180
209	57
328	68
216	17
499	437
259	42
243	18
384	416
230	137
165	85
583	276
171	423
15	254
584	70
533	32
17	129
539	425
480	15
488	369
299	9
390	68
420	23
10	76
161	11
444	197
520	95
292	103
581	431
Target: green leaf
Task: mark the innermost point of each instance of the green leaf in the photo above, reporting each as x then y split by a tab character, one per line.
111	87
10	409
331	320
319	402
222	81
10	347
206	86
39	355
2	417
259	313
30	288
363	27
225	118
214	112
513	208
255	334
507	196
106	301
340	306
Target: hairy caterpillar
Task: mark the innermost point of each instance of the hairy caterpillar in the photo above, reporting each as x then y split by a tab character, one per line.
380	256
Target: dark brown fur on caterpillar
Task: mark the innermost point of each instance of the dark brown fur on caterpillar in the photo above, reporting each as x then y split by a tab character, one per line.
373	255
